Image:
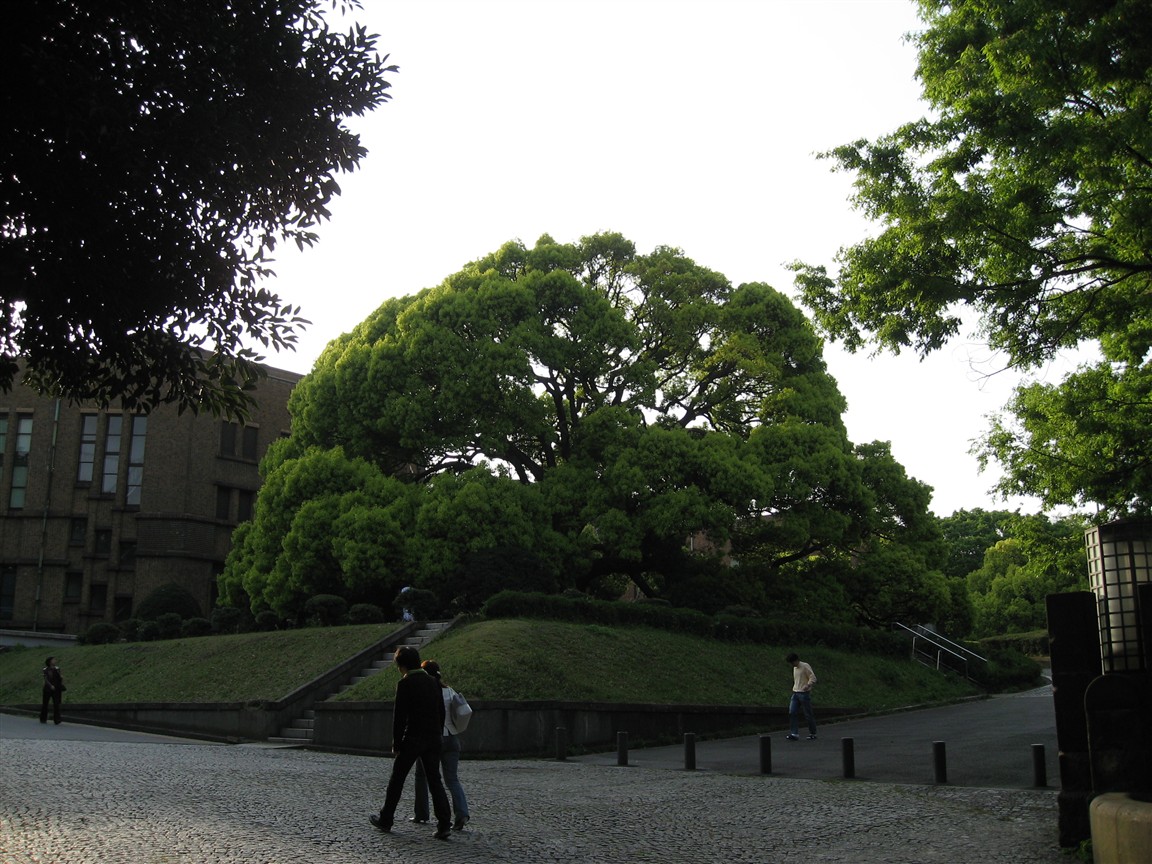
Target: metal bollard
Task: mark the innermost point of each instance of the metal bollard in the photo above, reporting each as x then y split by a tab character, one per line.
848	757
765	754
622	748
561	743
940	759
689	751
1039	768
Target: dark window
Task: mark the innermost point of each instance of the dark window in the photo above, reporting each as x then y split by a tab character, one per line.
73	587
98	599
227	438
245	498
127	554
223	503
7	591
3	443
136	460
77	531
103	545
87	448
20	463
112	453
248	443
122	607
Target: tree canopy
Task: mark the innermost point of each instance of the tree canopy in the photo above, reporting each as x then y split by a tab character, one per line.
154	155
581	416
1025	198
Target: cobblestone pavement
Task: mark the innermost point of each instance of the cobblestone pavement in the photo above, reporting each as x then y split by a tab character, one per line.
96	802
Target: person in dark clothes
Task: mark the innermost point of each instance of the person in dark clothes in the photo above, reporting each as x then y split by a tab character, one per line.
53	691
418	719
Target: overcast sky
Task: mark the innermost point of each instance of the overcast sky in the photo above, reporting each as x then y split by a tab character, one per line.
686	123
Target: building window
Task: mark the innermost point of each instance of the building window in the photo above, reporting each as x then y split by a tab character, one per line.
3	444
248	444
87	459
98	599
112	453
103	545
73	587
121	607
20	463
77	531
232	434
7	592
245	499
136	460
127	554
223	503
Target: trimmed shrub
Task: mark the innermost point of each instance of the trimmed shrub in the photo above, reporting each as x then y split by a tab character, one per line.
196	627
169	624
1006	669
100	634
325	610
267	621
366	613
149	631
169	598
229	619
129	629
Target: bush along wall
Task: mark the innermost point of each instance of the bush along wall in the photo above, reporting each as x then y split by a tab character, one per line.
726	627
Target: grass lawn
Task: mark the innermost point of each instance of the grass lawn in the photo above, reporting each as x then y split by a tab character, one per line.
501	659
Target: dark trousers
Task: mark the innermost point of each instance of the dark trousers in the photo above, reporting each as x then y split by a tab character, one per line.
53	695
428	753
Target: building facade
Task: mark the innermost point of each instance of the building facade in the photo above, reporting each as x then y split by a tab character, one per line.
98	508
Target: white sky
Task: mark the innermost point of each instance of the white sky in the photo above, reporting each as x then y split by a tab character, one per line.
687	123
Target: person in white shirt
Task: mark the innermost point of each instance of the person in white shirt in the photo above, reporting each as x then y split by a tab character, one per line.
802	680
449	760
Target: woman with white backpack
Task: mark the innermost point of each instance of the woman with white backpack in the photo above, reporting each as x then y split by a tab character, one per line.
457	713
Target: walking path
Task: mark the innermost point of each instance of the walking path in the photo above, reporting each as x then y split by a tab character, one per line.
84	795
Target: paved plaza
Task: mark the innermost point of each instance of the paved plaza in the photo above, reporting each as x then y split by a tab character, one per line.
81	795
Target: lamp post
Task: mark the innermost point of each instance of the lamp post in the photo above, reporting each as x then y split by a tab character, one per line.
1119	561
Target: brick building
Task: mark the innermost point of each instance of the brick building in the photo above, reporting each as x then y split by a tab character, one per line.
100	507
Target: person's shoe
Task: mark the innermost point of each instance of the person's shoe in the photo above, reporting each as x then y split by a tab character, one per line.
811	737
443	832
792	737
459	824
417	820
386	827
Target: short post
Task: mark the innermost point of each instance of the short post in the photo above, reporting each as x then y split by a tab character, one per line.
561	743
1039	768
622	748
765	754
848	757
689	751
940	760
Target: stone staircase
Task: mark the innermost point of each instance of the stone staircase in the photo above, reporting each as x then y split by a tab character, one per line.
300	730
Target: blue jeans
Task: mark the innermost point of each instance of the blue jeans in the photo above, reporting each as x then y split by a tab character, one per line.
798	701
449	763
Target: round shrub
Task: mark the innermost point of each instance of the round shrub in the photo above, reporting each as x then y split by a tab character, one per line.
420	603
169	624
129	629
100	634
267	621
229	619
149	631
196	627
365	613
325	610
169	598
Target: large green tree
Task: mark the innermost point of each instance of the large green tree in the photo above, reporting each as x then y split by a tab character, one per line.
153	155
574	414
1025	200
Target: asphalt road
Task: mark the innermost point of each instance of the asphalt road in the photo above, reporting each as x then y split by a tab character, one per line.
987	744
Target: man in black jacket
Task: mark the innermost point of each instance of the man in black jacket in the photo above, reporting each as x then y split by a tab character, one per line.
418	720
